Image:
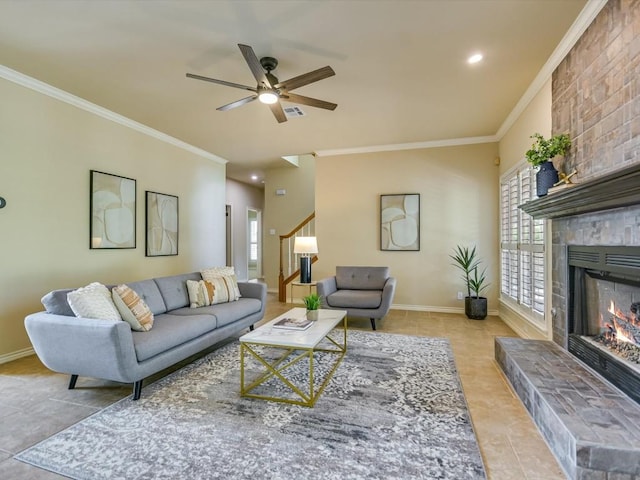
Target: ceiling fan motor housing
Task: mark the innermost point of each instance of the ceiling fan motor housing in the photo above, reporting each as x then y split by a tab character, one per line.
268	63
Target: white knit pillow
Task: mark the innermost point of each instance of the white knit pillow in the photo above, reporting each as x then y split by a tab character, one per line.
93	301
216	272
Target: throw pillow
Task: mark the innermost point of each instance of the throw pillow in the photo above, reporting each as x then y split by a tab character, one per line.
203	293
200	293
211	274
132	308
93	301
215	272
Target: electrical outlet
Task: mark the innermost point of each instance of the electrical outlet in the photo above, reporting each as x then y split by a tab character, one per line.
460	296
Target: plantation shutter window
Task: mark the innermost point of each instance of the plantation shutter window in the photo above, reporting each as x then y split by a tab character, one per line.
522	240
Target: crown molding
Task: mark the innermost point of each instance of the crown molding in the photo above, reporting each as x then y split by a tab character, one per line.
66	97
453	142
581	23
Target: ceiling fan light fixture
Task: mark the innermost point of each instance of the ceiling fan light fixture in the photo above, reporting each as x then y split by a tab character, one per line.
268	96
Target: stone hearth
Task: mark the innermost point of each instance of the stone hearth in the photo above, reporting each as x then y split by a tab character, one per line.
592	427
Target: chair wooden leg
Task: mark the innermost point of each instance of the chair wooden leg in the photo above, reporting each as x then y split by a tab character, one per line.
373	323
72	382
137	389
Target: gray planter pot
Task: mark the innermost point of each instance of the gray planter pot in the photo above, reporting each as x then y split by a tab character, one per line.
475	308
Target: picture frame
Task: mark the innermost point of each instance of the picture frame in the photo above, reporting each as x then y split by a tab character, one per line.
112	207
162	225
400	222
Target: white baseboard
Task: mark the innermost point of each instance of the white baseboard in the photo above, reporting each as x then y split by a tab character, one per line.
9	357
431	308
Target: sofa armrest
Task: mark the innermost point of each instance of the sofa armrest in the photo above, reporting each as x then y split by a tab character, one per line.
253	290
83	346
326	287
388	292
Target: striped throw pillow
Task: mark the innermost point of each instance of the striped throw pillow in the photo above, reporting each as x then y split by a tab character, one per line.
132	308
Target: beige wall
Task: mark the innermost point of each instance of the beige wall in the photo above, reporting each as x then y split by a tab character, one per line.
458	189
283	213
535	118
512	147
47	148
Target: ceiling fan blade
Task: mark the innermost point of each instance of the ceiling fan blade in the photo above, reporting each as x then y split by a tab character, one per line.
237	103
312	102
306	78
254	65
222	82
278	112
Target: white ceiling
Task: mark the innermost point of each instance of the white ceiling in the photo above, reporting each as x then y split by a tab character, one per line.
401	71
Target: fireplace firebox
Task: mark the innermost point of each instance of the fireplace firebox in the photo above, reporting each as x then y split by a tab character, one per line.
604	312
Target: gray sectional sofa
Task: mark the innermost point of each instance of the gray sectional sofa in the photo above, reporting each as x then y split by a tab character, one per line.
111	350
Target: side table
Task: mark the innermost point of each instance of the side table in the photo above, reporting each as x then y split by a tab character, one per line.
311	285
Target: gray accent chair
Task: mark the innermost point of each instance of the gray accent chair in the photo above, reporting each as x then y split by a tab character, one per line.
361	291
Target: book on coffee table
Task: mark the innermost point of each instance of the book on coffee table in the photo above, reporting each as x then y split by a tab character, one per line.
293	323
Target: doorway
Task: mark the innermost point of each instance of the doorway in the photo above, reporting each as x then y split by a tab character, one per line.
254	244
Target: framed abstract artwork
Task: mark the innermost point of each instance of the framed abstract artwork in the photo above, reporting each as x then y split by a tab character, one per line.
113	211
400	222
162	224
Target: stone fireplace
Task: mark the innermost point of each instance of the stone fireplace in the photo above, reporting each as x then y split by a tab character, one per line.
581	393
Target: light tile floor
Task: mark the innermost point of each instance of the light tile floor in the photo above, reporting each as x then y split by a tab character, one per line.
35	402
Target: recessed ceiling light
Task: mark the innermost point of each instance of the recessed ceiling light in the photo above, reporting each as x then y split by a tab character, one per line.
254	177
474	58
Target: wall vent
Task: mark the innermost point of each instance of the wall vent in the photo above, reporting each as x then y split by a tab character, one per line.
294	111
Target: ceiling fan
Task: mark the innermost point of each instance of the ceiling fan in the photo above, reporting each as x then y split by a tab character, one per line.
269	89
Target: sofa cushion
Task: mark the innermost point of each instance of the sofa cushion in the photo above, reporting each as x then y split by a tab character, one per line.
355	299
132	308
170	331
174	289
56	302
225	313
361	278
148	291
93	301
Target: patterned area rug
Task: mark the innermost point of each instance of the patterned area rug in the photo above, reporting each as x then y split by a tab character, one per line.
393	410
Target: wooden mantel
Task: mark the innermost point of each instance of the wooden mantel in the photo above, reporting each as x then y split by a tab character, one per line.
618	189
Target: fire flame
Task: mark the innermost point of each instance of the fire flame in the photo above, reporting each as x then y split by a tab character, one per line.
620	334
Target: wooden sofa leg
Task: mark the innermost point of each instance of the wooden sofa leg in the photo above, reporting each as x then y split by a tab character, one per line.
72	382
373	323
137	389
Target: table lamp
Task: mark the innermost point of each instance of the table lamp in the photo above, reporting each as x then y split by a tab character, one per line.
305	246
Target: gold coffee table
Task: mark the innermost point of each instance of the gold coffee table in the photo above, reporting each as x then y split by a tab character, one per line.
295	346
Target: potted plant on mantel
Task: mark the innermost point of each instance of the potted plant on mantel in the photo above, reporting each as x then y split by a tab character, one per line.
312	302
475	306
540	155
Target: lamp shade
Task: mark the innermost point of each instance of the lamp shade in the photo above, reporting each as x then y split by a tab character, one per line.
305	245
